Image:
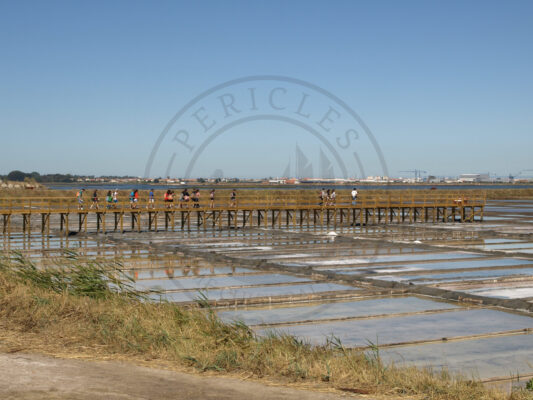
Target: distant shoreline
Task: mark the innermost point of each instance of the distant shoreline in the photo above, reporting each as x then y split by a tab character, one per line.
302	186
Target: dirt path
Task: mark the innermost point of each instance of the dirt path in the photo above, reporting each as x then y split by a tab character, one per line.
32	376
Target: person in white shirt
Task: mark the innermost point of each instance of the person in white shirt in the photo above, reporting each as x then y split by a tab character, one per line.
354	196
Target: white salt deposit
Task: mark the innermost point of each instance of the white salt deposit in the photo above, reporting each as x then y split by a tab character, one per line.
508	293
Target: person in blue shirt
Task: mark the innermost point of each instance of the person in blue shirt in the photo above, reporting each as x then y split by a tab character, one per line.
151	199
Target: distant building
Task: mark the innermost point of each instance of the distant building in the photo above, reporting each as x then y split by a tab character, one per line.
474	178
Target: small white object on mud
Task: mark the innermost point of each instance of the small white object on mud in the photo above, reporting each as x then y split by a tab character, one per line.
332	233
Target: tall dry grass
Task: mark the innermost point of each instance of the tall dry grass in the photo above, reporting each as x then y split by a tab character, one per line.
66	310
249	192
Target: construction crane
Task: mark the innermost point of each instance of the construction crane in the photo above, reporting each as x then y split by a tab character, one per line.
418	173
512	176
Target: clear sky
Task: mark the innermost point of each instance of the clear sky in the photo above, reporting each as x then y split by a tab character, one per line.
87	87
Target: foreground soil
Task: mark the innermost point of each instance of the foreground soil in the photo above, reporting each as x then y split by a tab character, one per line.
32	376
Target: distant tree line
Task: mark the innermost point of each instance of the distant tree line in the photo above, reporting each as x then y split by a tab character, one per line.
19	176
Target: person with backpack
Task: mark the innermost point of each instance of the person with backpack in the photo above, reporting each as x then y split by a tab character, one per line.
132	197
186	197
95	200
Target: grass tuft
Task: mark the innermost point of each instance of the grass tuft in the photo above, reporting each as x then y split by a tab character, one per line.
80	306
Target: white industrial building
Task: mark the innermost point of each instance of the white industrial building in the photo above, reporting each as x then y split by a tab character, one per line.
474	178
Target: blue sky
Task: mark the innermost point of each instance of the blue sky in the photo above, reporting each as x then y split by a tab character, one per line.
87	87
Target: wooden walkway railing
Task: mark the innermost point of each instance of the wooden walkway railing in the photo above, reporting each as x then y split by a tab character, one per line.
280	210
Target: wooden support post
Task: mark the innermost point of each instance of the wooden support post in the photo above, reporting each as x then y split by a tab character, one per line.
7	224
294	218
26	227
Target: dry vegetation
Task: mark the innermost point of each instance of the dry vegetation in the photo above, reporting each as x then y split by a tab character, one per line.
252	193
73	309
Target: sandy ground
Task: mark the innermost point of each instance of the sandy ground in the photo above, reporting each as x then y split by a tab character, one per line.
32	376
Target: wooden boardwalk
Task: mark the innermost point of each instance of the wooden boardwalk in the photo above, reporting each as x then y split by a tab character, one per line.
65	215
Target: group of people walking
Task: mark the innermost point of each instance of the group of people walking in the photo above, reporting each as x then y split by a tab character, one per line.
185	198
111	199
326	198
329	197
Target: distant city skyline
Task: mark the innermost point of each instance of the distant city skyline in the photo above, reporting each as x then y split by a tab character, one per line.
444	87
413	175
